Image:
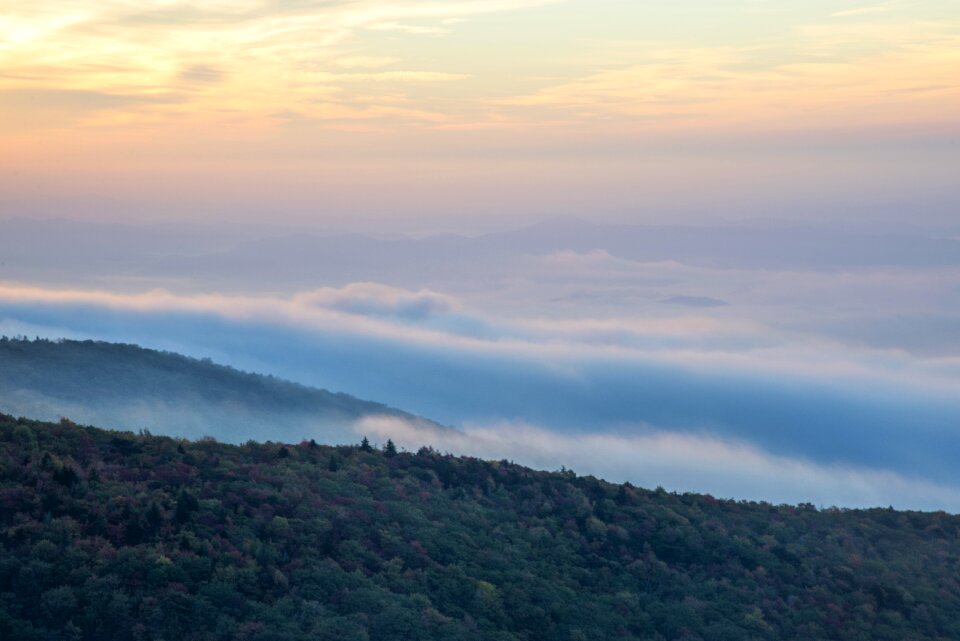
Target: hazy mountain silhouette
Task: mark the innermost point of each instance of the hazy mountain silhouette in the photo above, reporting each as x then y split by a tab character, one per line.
129	387
294	259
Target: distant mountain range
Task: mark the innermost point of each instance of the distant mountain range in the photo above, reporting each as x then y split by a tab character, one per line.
129	387
272	258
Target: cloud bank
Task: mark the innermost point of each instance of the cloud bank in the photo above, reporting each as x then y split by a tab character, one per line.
721	389
374	299
681	462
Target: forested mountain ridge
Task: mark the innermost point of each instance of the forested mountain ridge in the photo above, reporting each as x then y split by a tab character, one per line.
130	387
124	536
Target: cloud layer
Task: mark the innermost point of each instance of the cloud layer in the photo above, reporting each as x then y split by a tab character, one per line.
374	299
736	390
681	462
399	109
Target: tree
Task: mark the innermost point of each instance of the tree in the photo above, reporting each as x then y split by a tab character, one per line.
365	445
389	450
434	547
334	463
186	503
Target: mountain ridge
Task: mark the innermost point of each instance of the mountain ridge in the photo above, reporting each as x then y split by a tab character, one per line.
183	256
107	534
131	387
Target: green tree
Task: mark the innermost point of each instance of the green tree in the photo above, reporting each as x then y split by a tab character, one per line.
186	503
389	450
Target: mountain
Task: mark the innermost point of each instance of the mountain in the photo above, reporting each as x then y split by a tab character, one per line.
110	535
265	258
129	387
342	258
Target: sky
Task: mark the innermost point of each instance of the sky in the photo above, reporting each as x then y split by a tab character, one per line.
713	246
436	115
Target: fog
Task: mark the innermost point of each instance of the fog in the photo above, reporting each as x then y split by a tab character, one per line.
834	347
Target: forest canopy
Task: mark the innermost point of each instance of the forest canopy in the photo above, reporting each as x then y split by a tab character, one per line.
131	536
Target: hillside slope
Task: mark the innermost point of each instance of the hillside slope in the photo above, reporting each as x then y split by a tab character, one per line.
129	387
107	535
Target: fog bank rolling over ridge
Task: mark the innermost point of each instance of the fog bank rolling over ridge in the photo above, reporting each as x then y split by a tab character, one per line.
681	462
830	351
126	387
713	246
862	284
704	380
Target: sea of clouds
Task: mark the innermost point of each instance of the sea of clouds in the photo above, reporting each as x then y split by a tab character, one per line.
689	401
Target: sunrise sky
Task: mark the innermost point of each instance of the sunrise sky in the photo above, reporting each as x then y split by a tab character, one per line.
465	115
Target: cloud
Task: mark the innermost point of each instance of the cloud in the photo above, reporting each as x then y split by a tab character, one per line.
365	62
30	107
708	345
201	74
373	299
419	351
407	28
390	76
859	71
73	99
263	50
867	9
695	301
678	461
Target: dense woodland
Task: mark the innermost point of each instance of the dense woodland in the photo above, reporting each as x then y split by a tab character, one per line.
129	387
112	535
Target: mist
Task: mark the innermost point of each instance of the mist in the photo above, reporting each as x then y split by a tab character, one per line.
833	345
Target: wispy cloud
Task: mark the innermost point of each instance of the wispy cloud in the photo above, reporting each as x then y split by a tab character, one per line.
870	9
369	309
374	299
243	46
365	62
822	68
363	109
390	76
62	108
264	51
201	74
678	462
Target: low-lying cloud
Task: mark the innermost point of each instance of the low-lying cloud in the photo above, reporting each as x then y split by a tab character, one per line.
374	299
790	397
677	461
